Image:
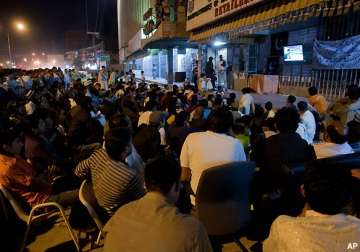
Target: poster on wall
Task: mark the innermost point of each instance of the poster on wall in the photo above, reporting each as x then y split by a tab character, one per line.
201	12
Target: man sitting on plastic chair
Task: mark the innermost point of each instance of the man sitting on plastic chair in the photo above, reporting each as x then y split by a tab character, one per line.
21	178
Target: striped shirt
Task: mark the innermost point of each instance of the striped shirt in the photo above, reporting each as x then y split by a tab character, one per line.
114	183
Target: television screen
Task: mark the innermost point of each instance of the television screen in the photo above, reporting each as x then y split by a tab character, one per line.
293	53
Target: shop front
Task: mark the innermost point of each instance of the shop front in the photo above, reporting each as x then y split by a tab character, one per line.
155	64
252	37
161	47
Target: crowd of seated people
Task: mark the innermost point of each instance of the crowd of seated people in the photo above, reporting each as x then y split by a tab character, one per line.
144	148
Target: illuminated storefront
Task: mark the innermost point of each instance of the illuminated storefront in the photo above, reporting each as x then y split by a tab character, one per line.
158	37
155	64
254	32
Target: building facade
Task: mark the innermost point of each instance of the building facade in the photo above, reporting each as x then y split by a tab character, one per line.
153	39
90	58
288	39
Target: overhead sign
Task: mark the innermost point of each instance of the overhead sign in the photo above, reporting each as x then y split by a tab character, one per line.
202	12
148	14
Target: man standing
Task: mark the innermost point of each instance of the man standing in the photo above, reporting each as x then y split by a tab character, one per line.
221	72
103	78
195	73
67	78
153	223
210	72
113	78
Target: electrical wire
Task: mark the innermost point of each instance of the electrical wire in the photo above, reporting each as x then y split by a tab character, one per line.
86	16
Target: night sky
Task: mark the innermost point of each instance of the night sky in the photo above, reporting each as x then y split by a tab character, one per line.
48	20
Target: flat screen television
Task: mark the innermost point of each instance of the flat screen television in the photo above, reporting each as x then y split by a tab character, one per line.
293	53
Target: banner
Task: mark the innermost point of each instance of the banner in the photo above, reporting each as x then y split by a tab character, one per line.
338	54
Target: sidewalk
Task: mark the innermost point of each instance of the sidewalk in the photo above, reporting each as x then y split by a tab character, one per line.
278	100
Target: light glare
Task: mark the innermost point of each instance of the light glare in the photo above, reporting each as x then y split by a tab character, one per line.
219	43
20	26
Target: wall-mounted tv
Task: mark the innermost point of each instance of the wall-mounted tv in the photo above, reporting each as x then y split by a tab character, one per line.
293	53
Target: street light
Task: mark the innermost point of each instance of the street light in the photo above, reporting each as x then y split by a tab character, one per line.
33	54
25	59
19	27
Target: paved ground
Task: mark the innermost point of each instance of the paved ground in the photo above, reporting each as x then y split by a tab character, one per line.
58	239
278	100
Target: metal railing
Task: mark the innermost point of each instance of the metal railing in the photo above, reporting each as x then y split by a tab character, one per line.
331	83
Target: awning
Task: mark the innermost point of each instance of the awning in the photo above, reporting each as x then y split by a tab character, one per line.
137	55
163	43
268	16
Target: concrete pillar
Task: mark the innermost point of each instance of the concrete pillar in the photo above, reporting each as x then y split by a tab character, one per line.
170	59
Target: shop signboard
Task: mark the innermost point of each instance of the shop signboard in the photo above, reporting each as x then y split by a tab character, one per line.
105	58
202	12
148	14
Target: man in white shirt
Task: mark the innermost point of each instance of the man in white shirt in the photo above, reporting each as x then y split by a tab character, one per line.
103	78
335	143
325	227
204	150
142	76
246	103
308	120
354	103
153	223
221	72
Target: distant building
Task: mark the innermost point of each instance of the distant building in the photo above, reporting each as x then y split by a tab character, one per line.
90	58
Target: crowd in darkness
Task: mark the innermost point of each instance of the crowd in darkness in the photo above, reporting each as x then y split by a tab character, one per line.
145	146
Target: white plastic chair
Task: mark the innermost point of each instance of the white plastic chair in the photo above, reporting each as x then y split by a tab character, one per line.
87	198
32	217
